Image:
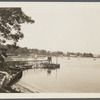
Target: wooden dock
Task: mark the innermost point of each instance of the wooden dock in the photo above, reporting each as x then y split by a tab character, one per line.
50	65
37	63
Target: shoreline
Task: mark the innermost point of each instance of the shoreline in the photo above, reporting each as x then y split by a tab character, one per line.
18	87
21	89
24	88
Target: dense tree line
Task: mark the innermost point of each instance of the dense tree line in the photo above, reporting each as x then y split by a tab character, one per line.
26	51
78	54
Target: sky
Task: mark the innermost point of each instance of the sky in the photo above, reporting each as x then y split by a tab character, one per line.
59	26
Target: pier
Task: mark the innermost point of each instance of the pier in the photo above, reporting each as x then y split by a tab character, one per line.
29	64
12	71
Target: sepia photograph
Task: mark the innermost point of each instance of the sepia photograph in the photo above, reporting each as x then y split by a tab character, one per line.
49	47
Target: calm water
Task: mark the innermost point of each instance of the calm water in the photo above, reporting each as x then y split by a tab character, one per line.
77	75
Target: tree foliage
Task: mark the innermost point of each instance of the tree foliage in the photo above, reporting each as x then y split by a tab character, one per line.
10	24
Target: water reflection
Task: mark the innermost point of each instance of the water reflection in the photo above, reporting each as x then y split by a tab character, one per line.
48	71
74	76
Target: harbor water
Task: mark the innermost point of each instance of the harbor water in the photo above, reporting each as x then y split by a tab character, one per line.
75	75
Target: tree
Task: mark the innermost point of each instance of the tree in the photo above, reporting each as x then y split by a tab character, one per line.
10	26
43	52
87	55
